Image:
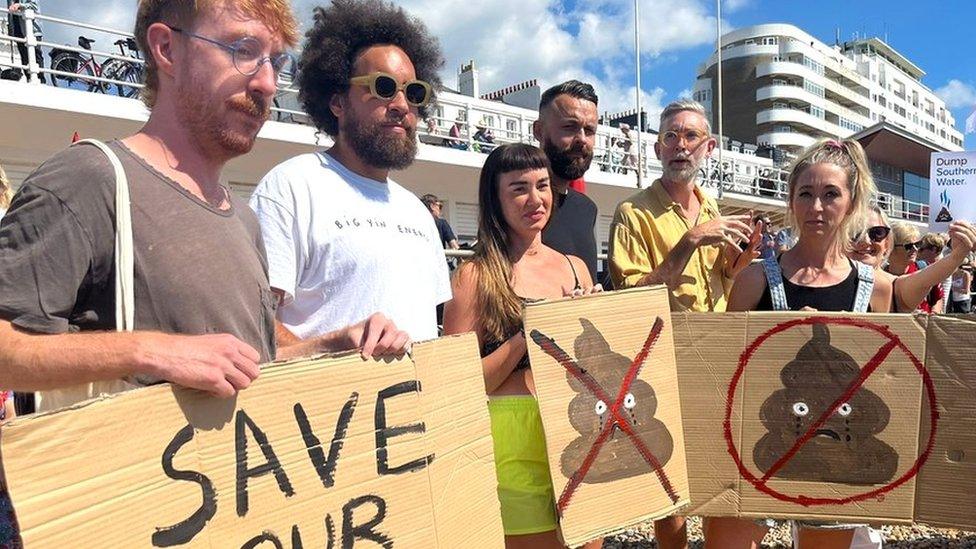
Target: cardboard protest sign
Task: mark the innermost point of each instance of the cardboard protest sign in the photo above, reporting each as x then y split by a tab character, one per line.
828	416
947	483
323	452
952	184
605	377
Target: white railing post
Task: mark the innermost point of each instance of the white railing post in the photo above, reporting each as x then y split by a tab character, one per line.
32	67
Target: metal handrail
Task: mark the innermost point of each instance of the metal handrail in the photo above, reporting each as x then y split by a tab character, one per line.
95	53
766	182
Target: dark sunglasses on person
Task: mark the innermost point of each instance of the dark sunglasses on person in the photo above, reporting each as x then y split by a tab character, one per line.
875	234
385	86
910	246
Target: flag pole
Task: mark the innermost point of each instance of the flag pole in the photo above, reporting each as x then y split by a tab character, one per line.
718	50
637	69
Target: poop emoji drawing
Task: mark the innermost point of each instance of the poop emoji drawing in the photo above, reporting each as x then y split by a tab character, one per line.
845	449
613	412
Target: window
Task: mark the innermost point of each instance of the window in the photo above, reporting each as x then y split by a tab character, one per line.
815	89
512	127
849	124
770	41
916	188
817	111
813	65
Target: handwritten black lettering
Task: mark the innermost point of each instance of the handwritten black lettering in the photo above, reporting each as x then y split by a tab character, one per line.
183	532
351	532
260	539
384	433
326	466
243	473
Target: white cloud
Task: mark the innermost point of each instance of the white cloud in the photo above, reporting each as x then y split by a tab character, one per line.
733	5
509	40
957	94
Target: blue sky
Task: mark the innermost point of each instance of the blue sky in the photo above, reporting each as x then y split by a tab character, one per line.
939	37
553	40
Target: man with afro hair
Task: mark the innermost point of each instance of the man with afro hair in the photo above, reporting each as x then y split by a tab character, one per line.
343	239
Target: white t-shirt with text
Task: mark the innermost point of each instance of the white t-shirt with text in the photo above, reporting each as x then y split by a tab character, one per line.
342	246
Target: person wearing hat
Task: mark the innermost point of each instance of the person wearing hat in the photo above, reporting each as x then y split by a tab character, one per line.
484	137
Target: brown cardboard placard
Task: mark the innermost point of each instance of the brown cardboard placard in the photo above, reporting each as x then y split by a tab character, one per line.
838	417
947	483
328	448
605	377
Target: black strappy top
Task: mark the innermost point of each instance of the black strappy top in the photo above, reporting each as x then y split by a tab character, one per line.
490	346
838	297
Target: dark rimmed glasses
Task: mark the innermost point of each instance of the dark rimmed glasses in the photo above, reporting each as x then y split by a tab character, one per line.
246	53
875	234
384	86
910	246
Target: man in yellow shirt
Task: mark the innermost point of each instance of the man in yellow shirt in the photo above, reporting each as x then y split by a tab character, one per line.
672	233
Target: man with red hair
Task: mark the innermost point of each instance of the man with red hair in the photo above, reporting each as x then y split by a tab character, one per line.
203	308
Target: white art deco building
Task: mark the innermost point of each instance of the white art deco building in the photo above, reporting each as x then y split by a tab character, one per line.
784	88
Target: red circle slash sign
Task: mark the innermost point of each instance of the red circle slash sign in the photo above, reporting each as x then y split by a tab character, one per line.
892	342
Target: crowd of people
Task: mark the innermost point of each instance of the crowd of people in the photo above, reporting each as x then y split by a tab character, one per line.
332	254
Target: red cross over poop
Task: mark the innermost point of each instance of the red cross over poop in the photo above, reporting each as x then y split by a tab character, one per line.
844	448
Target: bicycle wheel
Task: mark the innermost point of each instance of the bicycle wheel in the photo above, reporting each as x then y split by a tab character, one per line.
123	71
73	63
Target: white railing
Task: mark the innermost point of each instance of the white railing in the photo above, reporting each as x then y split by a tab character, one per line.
738	175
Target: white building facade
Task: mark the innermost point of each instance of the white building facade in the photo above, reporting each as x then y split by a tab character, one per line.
784	88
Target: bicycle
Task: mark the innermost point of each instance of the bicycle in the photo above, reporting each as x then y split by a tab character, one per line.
124	70
72	62
87	68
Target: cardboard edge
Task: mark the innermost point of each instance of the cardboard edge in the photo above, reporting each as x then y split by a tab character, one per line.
534	304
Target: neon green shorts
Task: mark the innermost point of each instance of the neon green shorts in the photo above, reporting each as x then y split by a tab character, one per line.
522	466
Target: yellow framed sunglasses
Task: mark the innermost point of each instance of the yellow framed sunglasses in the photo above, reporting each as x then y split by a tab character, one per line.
384	86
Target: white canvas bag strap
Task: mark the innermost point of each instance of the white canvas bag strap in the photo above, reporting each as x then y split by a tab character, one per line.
124	295
124	261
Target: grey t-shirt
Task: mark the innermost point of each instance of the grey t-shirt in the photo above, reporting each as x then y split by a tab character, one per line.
198	269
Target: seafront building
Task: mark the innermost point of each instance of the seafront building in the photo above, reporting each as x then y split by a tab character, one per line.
452	150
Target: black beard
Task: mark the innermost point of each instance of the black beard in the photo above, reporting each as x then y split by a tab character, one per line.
565	166
387	152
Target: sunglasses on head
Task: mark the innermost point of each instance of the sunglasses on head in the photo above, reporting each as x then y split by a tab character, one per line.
875	234
385	86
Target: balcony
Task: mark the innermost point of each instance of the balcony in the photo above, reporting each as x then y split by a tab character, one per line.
796	116
798	69
786	139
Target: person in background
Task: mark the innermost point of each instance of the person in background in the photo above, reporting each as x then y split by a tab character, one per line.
874	244
933	247
962	280
784	240
18	29
566	131
6	193
512	266
434	206
903	260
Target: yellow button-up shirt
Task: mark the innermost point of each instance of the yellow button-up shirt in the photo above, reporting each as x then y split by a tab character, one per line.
646	227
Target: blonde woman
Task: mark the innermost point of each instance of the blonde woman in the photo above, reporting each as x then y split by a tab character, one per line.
874	245
830	189
904	260
6	193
